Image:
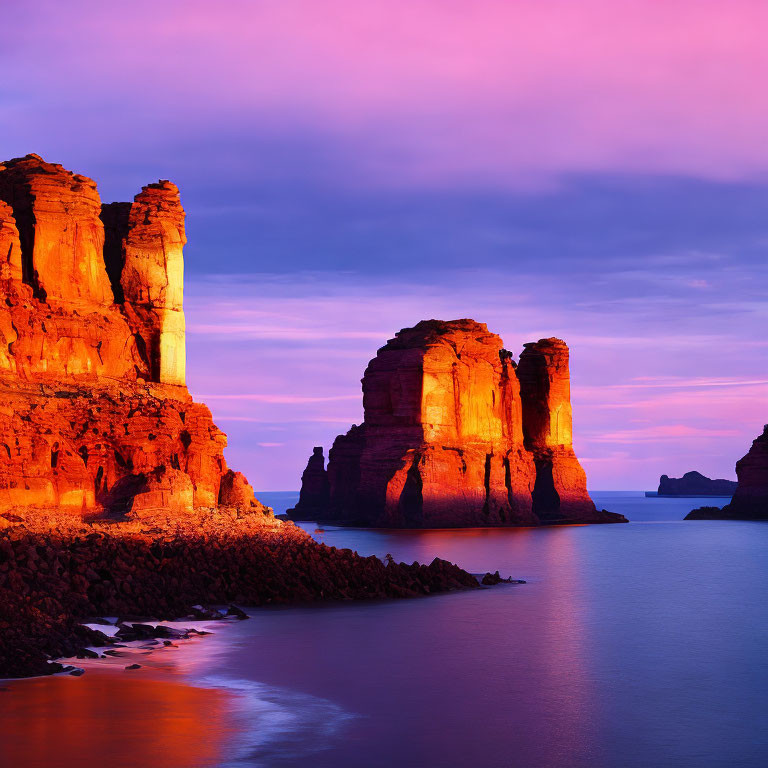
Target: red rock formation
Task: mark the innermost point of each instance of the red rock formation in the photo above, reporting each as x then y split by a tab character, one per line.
94	414
560	493
150	265
444	441
62	237
750	501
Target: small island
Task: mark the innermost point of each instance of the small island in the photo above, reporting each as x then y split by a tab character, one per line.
694	484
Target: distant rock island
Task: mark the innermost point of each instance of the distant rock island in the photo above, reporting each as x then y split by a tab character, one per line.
750	501
695	484
455	434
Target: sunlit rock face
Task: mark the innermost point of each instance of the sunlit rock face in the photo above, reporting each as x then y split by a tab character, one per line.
750	501
94	414
560	492
444	440
146	264
62	237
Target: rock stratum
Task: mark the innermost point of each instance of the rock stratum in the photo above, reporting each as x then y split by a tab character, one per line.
750	501
94	412
695	484
455	434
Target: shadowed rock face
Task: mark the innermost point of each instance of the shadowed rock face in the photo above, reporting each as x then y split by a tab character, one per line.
315	491
454	436
94	413
750	501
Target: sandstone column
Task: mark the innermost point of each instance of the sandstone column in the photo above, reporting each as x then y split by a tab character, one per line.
152	277
560	492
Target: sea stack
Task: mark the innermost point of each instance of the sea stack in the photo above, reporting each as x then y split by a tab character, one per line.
455	434
94	412
750	501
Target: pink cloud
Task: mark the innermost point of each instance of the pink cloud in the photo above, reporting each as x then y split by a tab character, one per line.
279	399
669	383
427	91
662	432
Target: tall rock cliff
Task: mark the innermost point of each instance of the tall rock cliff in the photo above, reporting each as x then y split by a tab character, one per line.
454	436
146	264
94	413
750	500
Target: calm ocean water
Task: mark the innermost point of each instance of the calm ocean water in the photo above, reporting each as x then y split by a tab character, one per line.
639	645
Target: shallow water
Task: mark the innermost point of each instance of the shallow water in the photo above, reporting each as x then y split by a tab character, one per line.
630	645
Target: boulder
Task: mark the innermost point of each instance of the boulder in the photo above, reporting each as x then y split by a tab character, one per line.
236	491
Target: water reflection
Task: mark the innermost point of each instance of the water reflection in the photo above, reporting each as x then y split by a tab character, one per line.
631	645
111	718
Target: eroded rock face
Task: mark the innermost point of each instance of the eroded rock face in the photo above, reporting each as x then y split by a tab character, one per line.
94	414
445	442
62	237
750	501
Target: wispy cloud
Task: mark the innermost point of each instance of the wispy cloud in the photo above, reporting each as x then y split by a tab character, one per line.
278	399
662	432
638	385
650	383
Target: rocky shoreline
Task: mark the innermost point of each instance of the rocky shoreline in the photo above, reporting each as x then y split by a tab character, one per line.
57	570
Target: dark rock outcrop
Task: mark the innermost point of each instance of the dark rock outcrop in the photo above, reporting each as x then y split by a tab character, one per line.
455	434
55	570
695	484
750	501
315	495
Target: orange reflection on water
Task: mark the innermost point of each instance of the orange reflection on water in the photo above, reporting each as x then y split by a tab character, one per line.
113	718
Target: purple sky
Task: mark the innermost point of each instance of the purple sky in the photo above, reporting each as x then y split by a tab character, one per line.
595	170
